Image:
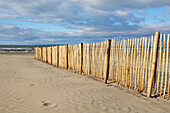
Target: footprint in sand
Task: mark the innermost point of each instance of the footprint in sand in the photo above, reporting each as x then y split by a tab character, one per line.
48	104
32	84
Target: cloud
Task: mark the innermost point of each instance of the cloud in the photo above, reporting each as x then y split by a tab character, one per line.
11	34
90	20
9	16
168	10
121	13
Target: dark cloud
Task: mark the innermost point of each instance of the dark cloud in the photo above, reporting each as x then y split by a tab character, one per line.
20	35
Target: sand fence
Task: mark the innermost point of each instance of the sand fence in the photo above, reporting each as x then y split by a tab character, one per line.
140	64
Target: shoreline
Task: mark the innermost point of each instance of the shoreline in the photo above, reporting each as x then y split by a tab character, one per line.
16	53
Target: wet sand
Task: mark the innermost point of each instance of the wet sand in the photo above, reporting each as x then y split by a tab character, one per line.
31	86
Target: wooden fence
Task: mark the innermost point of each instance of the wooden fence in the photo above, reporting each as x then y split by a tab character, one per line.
139	64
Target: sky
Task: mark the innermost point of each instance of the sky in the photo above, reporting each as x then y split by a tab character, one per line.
32	22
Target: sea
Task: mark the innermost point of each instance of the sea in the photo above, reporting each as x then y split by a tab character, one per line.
17	48
21	48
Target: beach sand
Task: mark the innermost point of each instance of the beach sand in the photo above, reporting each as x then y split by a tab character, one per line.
31	86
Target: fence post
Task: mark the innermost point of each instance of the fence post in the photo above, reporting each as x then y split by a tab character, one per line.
107	60
81	57
51	55
57	55
166	68
88	69
66	57
41	53
34	52
38	53
153	71
46	55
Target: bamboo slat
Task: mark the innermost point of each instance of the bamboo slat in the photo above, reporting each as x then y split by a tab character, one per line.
166	67
119	62
107	60
146	69
101	61
131	61
137	60
144	62
124	62
163	67
134	61
127	64
159	66
139	66
120	65
153	72
116	62
83	63
97	60
111	61
94	58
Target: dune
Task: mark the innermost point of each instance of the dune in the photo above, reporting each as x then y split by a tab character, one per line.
31	86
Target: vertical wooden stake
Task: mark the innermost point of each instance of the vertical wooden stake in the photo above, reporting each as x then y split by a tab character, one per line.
84	57
139	64
81	58
107	60
131	61
41	53
57	55
163	66
94	59
169	80
87	58
78	57
166	68
124	65
159	67
116	62
46	54
142	61
134	68
66	56
97	60
119	61
104	58
137	60
34	52
146	69
72	55
127	65
143	73
112	59
150	59
153	64
37	52
122	62
110	62
51	55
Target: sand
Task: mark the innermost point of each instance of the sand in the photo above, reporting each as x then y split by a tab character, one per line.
31	86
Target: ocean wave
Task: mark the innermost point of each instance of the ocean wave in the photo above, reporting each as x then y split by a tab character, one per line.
16	49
